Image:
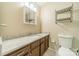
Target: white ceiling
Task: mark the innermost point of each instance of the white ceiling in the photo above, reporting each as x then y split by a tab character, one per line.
40	3
75	4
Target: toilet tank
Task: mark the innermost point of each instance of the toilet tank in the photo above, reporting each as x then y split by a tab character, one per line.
65	40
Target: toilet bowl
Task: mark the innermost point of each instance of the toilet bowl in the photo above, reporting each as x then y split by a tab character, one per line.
65	52
65	41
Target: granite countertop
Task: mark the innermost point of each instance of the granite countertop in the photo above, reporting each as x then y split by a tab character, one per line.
14	44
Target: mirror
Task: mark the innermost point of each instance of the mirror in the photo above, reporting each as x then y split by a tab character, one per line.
29	14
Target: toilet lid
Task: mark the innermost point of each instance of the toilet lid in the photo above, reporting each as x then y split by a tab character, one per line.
65	52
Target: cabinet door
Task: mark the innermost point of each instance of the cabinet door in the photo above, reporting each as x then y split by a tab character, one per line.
47	44
35	48
42	48
35	52
34	44
44	44
47	41
27	50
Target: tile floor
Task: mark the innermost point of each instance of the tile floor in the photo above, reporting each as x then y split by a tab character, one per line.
50	52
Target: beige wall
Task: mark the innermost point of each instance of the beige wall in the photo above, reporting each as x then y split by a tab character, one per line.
48	22
0	20
12	16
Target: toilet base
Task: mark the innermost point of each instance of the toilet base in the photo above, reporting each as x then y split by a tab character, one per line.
65	52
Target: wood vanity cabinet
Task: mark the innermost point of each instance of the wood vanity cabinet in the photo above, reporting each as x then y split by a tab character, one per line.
36	48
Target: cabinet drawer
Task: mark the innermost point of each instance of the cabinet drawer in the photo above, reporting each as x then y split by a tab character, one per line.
34	44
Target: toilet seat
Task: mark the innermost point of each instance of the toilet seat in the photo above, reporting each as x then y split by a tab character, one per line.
65	52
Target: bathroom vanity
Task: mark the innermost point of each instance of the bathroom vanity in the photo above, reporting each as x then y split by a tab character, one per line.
34	45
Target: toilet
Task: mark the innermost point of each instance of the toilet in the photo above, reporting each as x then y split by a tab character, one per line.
65	43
